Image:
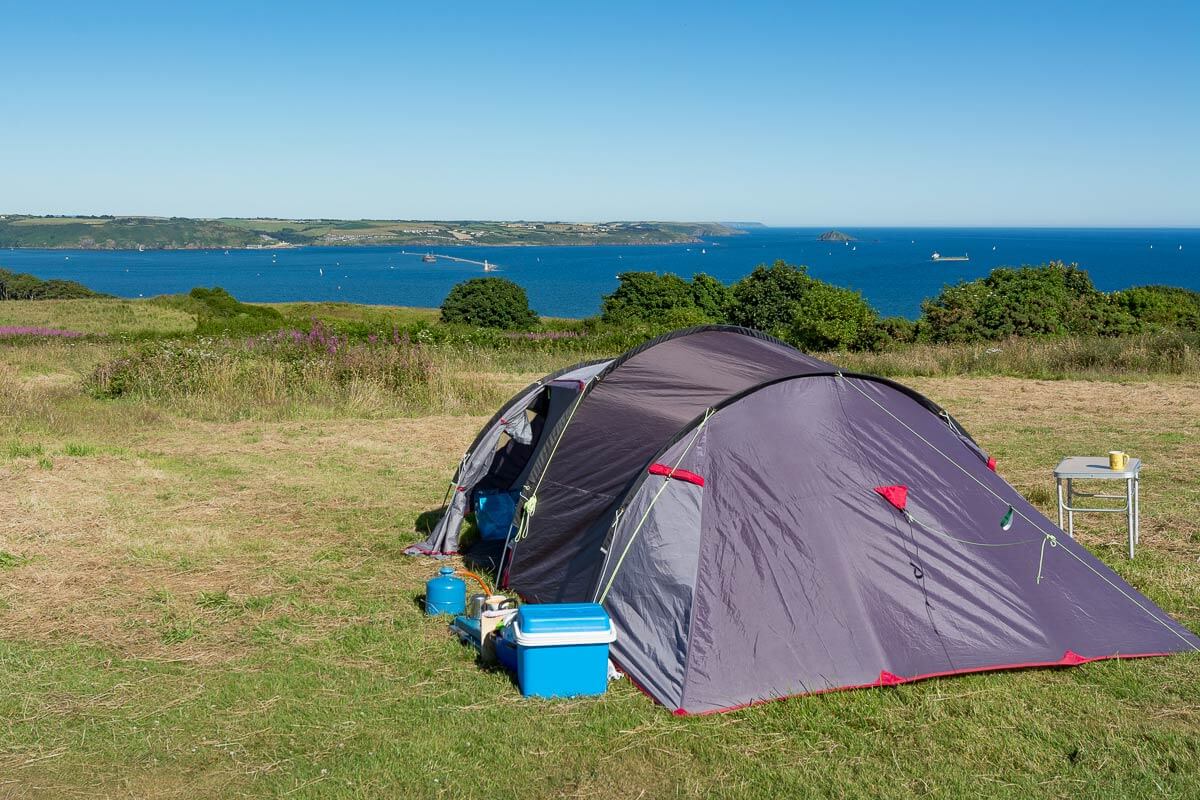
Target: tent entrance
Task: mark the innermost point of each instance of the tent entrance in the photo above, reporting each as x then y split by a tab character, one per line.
513	456
521	438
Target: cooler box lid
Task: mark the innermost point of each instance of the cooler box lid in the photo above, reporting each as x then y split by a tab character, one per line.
549	624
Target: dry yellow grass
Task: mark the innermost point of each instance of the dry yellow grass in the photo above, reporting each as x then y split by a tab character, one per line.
120	546
123	540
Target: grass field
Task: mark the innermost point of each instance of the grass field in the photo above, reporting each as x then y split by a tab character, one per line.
204	604
97	316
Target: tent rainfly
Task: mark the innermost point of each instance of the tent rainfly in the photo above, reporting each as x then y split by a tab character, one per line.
760	524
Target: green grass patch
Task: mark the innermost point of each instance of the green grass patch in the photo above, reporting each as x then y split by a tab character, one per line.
19	450
11	560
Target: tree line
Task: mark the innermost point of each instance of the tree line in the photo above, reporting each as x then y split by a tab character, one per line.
785	301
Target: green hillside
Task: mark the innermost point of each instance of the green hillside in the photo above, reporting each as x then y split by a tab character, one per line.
181	233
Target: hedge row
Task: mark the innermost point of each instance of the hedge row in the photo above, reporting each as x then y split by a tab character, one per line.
784	300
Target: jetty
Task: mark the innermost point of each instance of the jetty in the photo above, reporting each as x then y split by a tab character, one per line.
431	257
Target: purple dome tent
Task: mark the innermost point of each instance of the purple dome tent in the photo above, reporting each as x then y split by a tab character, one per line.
760	524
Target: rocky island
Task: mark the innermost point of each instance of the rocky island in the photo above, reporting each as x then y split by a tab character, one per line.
835	236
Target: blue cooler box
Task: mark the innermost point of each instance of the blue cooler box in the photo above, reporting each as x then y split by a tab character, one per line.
562	649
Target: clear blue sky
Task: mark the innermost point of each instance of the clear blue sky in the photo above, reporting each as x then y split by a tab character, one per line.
858	114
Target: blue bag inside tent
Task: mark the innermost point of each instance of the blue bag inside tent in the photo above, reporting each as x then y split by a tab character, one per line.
494	512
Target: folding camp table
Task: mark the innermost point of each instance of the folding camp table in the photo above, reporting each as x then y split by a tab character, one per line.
1084	468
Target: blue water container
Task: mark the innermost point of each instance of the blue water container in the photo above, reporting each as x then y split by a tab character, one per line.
562	649
446	593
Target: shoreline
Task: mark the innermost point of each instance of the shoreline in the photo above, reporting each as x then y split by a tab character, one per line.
259	248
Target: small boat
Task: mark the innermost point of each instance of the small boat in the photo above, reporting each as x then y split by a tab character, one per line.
993	247
939	257
429	258
703	251
488	267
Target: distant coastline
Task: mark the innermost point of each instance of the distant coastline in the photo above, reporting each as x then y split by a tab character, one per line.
113	233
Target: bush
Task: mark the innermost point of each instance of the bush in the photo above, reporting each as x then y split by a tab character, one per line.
711	297
1161	307
218	312
1052	299
898	329
489	303
649	297
828	317
765	299
22	286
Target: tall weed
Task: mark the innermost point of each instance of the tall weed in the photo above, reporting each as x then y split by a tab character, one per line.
283	371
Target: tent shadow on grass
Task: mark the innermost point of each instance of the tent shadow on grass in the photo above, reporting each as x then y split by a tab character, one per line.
426	520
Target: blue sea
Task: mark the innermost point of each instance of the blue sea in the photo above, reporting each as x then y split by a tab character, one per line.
891	266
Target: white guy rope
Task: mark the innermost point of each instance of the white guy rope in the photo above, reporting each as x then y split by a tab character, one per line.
1049	536
646	515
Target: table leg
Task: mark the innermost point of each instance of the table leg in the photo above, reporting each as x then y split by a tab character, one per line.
1137	510
1129	514
1060	505
1070	506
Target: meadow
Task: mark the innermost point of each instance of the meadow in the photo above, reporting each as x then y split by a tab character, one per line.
203	592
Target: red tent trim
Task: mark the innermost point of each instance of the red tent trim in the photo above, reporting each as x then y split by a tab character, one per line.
1069	659
896	495
677	474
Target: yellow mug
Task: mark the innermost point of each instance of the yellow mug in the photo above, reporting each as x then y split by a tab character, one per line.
1117	460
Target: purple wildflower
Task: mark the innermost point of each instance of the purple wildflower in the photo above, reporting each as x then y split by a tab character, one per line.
33	330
